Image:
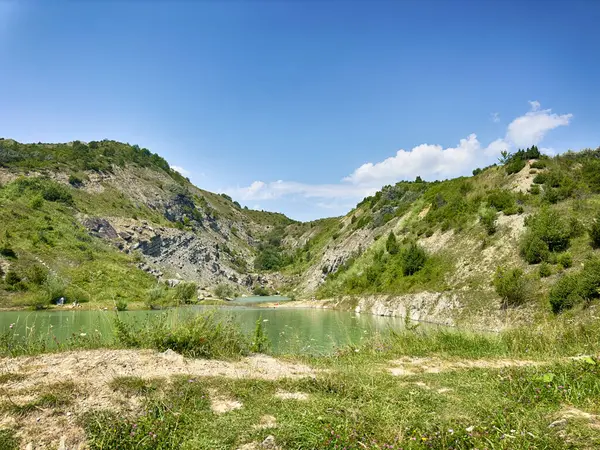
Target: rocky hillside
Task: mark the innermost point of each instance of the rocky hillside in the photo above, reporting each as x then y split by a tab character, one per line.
106	221
495	248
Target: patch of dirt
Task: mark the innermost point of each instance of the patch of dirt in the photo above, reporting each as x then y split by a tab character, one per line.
437	241
291	395
522	180
568	414
91	372
268	444
221	404
266	421
416	366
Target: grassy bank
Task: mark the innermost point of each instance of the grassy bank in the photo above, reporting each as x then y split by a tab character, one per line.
418	388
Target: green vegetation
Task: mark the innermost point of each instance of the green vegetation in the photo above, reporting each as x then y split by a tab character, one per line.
511	285
576	288
356	402
202	336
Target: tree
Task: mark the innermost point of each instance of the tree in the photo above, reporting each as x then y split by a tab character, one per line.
391	245
505	157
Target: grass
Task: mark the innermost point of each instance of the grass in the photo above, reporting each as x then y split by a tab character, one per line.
356	403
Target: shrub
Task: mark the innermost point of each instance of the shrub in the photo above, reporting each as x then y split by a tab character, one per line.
261	291
511	286
487	217
514	166
12	278
576	227
594	233
533	249
260	342
121	305
203	336
36	274
75	180
501	199
563	294
576	288
185	292
7	251
538	165
550	227
565	260
477	171
535	190
540	178
36	202
54	287
391	244
224	291
545	270
413	258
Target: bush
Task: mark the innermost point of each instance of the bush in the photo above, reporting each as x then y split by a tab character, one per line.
540	178
533	249
224	291
75	180
514	166
413	258
121	305
545	270
550	227
576	227
7	251
563	294
36	202
487	217
391	244
511	286
594	233
185	292
501	199
538	165
202	336
565	260
576	288
535	190
261	291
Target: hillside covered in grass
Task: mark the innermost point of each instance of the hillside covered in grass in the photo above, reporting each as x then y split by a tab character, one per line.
108	222
112	223
521	235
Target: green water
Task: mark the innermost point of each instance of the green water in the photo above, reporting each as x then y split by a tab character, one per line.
290	330
256	300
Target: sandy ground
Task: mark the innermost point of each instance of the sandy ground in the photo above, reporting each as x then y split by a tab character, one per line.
89	373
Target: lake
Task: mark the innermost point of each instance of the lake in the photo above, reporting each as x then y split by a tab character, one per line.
290	330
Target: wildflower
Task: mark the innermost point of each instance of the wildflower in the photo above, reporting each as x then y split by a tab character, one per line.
469	429
11	325
82	334
451	431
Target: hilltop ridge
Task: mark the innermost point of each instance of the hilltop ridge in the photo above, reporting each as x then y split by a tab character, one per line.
106	221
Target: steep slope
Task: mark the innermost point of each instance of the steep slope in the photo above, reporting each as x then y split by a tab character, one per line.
104	220
467	228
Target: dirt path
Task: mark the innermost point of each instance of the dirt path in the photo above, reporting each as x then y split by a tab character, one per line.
89	374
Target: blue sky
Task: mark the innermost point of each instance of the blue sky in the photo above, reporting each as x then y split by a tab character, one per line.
304	107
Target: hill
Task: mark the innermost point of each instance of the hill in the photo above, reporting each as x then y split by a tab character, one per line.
107	222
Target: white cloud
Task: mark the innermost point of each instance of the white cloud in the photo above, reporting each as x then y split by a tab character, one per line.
181	170
531	128
495	117
426	160
259	190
